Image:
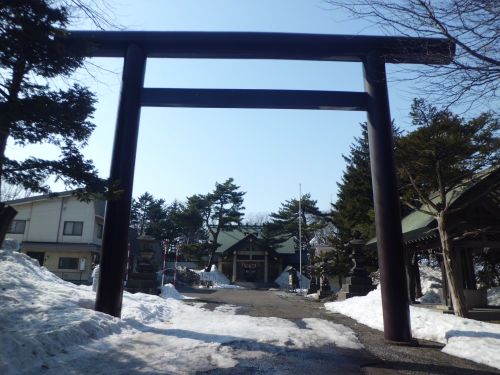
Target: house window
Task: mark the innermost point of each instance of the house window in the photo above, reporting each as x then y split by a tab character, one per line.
73	228
100	228
17	226
68	263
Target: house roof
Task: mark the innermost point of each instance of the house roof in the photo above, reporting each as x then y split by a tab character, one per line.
229	238
40	197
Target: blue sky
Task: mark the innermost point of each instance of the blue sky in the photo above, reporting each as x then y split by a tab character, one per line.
268	152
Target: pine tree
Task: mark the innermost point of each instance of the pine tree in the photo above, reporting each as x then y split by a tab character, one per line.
444	153
31	55
148	215
353	213
183	224
284	224
218	210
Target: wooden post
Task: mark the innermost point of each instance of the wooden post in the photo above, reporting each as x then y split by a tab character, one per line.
235	254
391	256
266	264
117	216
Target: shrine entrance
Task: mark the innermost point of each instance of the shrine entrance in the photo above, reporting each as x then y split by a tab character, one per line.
372	51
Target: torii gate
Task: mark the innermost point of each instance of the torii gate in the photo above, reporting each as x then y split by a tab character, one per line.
373	51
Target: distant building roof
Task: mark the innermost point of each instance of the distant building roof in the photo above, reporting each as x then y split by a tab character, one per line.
228	238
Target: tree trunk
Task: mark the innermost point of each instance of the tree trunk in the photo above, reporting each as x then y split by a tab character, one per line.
450	266
7	214
3	144
418	282
410	277
211	258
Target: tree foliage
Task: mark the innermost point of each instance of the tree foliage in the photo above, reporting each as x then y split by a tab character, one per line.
442	155
284	224
147	215
34	112
474	74
176	223
218	210
184	226
445	151
353	213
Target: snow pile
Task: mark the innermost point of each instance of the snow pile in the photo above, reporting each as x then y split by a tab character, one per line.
216	279
282	279
49	326
169	291
494	296
226	286
42	315
431	284
214	276
466	338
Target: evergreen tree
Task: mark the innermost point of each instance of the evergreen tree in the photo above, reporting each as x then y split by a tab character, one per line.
218	210
183	224
444	153
185	227
148	215
284	224
32	54
353	213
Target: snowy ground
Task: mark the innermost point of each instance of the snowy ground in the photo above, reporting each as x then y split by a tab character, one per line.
466	338
49	326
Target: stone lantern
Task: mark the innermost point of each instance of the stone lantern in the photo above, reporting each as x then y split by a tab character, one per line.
358	283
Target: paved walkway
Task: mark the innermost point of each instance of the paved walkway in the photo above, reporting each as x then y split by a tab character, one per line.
378	358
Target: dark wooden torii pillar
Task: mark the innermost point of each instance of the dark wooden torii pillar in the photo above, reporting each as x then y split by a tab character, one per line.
373	51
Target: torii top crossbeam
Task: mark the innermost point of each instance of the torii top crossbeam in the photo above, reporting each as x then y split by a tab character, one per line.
280	46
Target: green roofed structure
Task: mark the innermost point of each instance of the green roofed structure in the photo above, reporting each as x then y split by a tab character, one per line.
244	256
475	226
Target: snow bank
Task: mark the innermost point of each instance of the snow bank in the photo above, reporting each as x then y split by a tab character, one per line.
466	338
169	291
49	326
431	284
494	296
42	315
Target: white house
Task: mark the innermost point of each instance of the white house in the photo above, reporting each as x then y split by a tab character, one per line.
62	233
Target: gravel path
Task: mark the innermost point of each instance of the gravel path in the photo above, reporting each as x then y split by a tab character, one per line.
378	358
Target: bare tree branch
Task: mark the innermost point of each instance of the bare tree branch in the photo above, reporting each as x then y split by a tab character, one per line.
473	78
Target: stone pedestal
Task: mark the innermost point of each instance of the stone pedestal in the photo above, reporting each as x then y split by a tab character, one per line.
313	286
324	287
358	283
